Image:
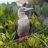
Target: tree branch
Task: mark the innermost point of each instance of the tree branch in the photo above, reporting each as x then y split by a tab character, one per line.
40	40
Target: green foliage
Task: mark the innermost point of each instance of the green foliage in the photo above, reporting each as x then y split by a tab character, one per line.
33	42
8	17
1	12
45	9
36	23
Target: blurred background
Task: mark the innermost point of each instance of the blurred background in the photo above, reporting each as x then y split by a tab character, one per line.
8	17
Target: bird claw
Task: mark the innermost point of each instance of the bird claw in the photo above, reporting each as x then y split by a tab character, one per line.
21	39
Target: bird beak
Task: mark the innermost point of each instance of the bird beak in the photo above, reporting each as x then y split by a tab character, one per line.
29	9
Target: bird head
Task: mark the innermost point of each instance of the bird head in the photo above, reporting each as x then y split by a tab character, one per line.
22	10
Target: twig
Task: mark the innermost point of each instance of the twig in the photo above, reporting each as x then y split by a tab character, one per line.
39	39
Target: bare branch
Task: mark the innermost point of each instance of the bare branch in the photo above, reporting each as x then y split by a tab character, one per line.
40	40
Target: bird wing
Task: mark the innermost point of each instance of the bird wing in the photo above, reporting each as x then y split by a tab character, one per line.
16	25
16	35
30	30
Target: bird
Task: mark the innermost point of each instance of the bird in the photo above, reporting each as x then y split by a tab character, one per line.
22	25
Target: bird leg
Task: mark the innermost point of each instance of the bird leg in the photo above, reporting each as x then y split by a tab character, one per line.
23	38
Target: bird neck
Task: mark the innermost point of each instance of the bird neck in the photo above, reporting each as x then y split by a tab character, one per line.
23	17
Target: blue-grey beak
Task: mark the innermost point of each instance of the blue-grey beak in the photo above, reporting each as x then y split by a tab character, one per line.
29	9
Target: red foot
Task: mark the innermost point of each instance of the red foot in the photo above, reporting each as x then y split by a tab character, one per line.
23	38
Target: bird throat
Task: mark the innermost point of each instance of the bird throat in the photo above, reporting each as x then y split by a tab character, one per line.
21	14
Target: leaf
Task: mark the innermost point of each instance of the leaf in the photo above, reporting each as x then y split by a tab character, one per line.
7	35
33	42
1	43
1	25
13	34
37	23
3	37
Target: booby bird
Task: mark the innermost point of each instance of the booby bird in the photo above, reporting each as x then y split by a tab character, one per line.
22	26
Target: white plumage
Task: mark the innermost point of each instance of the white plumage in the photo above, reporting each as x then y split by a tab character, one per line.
23	25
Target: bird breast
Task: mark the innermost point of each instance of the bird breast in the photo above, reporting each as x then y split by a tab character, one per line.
23	22
23	26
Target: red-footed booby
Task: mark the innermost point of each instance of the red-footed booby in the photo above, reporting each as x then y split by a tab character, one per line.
22	26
